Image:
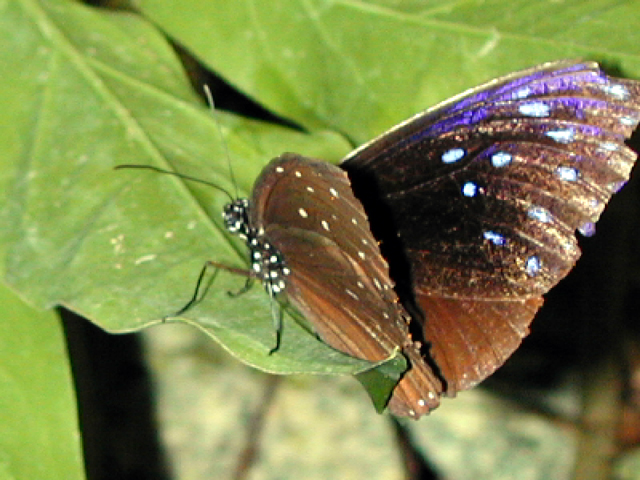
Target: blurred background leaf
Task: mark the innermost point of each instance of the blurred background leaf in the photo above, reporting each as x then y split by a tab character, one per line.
39	433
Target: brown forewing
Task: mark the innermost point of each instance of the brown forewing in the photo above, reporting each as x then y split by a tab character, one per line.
338	279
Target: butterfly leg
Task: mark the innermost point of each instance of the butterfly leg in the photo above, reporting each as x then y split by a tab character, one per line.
201	289
276	315
243	290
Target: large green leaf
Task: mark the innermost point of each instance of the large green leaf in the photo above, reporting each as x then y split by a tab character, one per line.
124	248
361	67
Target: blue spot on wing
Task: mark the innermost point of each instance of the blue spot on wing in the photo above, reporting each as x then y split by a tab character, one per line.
495	238
453	155
501	159
469	189
533	266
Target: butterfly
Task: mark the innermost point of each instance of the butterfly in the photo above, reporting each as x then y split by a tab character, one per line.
309	238
438	238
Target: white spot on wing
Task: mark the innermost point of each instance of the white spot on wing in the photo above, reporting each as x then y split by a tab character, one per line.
351	294
561	136
609	146
568	174
533	266
539	213
618	91
522	93
534	109
303	213
325	225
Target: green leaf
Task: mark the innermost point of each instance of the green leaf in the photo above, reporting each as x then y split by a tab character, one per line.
124	248
362	67
380	380
39	433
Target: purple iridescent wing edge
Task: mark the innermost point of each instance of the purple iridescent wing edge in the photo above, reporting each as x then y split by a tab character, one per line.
484	193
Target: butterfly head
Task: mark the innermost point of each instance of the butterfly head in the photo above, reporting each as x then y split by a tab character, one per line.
236	217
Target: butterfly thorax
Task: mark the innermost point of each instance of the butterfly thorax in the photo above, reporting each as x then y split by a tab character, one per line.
267	263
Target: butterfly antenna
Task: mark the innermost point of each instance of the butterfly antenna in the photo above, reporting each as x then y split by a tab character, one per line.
176	174
276	313
212	106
